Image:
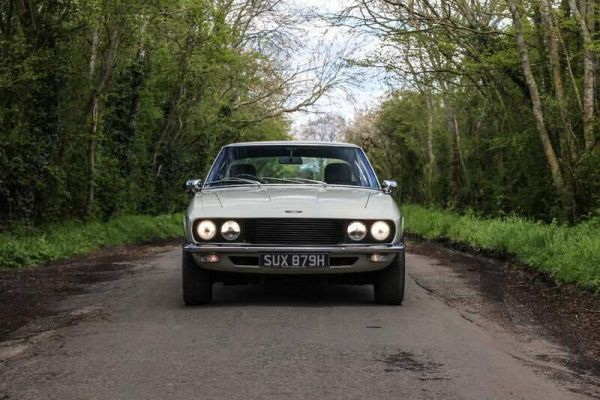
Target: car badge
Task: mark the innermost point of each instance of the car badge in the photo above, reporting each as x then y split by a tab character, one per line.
293	211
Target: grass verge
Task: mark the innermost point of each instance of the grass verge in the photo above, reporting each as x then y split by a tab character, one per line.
32	247
568	254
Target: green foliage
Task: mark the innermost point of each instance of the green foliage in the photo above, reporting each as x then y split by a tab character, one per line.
30	247
568	254
174	85
503	173
460	131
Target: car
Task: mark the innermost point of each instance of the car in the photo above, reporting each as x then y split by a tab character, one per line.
292	209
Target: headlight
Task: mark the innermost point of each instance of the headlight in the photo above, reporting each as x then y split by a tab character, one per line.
380	230
230	230
357	231
206	230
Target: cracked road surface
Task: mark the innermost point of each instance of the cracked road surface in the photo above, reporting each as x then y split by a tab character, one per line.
132	338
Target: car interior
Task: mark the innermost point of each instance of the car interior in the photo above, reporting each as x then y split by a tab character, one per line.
334	174
242	171
338	174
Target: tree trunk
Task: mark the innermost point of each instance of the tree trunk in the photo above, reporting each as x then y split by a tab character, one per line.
459	148
459	166
94	55
536	102
457	176
91	151
91	167
568	149
430	153
568	63
166	126
138	80
586	25
108	61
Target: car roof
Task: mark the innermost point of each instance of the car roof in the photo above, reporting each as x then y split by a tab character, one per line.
292	143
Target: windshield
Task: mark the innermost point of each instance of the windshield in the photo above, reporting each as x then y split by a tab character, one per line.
292	164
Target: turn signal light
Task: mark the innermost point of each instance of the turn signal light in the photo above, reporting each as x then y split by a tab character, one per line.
211	258
379	258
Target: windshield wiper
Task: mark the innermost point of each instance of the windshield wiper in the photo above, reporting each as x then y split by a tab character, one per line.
234	180
306	180
271	178
294	180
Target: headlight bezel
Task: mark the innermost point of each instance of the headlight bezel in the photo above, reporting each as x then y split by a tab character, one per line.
198	232
236	232
374	231
218	237
369	238
356	225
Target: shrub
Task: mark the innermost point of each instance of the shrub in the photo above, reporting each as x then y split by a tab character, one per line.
29	247
568	254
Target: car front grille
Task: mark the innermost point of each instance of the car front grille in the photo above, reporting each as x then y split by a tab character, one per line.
294	231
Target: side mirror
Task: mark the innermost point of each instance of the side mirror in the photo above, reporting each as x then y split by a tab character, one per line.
388	185
193	186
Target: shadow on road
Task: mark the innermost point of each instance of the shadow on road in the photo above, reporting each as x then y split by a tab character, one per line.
290	294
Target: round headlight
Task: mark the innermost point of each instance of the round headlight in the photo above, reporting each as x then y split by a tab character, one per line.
357	231
230	230
206	230
380	230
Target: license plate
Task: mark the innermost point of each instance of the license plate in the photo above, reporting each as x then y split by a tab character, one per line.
302	260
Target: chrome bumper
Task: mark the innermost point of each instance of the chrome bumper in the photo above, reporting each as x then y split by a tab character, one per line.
360	252
247	248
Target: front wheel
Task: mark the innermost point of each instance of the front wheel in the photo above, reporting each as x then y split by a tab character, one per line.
389	283
197	282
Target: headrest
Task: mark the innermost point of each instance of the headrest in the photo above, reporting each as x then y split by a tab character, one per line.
338	174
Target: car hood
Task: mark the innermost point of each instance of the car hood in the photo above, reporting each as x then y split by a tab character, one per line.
286	201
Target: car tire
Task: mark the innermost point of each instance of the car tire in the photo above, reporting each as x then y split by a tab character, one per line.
389	284
197	282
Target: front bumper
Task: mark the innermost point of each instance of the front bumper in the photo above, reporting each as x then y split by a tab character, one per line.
244	258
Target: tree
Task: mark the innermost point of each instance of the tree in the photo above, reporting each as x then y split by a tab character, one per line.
106	107
328	127
497	83
536	103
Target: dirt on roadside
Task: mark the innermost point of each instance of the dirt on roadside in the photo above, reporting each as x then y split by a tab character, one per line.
569	315
30	294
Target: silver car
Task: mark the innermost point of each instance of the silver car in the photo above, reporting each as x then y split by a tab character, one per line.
273	209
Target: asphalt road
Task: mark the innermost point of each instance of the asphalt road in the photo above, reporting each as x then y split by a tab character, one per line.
133	339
